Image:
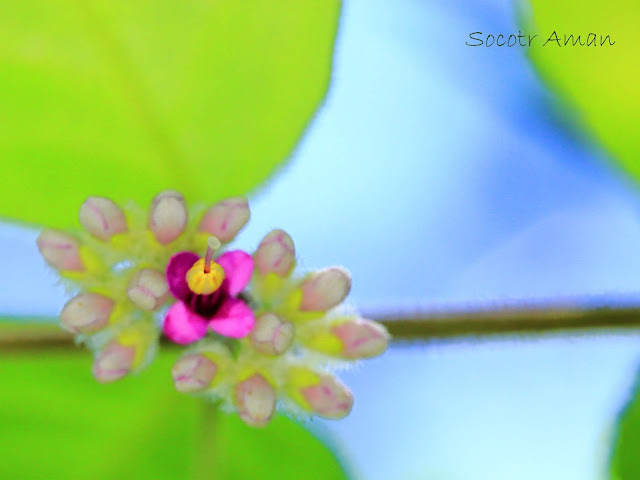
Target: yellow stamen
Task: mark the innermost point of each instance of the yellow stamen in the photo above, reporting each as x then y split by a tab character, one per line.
204	283
206	276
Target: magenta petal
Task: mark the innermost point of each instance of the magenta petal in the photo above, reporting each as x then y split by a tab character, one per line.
176	271
183	326
238	267
234	319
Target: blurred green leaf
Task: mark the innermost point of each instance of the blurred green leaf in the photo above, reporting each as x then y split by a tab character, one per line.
282	451
625	456
123	99
56	422
600	81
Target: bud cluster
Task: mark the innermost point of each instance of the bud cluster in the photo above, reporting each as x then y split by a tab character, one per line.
285	332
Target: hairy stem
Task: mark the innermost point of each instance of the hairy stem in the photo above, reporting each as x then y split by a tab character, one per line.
508	322
534	320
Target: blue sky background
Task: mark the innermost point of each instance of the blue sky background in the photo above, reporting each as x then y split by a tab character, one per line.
443	175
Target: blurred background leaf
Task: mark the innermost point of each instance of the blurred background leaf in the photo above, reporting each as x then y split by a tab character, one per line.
600	81
127	98
57	422
625	456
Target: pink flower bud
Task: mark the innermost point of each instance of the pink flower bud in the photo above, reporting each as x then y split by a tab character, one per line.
86	313
102	218
168	216
328	398
255	400
276	253
272	335
361	338
60	250
113	362
226	218
148	289
325	289
193	373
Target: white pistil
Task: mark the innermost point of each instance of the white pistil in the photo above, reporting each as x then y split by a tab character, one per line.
212	245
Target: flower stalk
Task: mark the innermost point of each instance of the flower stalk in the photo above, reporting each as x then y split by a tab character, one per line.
534	320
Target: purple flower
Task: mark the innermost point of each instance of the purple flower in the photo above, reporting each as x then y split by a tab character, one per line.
208	298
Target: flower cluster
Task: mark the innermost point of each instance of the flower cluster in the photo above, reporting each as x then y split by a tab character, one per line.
260	335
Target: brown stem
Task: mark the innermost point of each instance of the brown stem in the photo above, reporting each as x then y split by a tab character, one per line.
511	321
15	341
479	323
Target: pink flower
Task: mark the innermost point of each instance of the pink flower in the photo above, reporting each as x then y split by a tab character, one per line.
222	311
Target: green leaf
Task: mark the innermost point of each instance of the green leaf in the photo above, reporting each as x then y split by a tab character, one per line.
625	456
57	422
123	99
600	82
281	451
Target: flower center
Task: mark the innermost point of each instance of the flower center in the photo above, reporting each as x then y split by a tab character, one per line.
206	276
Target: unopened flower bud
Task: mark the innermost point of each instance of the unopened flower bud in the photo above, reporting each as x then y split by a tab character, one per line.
168	216
113	362
276	253
320	393
271	334
148	289
193	373
226	218
127	351
60	250
325	289
361	338
102	218
255	400
86	313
